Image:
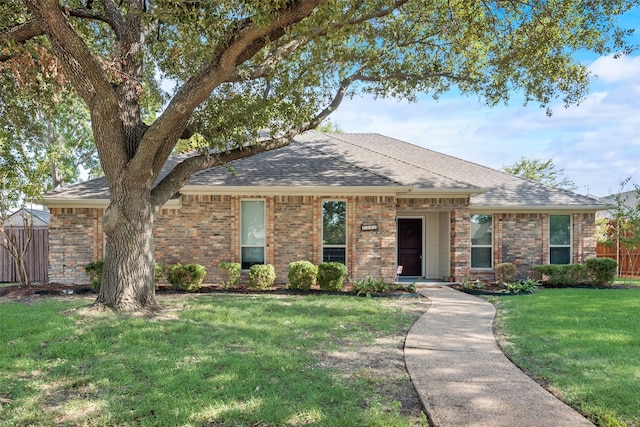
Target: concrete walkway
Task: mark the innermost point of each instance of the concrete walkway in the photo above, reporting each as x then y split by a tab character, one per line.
463	378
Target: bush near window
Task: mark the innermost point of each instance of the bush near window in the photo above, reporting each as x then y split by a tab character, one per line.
331	276
561	274
94	271
506	272
302	275
602	270
261	276
186	277
233	270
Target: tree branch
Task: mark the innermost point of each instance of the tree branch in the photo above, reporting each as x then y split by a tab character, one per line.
176	179
21	33
272	61
248	39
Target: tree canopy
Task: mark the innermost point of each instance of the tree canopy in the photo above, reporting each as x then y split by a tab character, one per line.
543	171
240	68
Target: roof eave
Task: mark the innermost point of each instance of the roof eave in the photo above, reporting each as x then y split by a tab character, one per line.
255	190
58	202
536	208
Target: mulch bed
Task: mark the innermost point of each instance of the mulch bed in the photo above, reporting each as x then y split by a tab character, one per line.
496	289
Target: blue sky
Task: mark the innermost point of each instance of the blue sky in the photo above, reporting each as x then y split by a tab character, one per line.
597	143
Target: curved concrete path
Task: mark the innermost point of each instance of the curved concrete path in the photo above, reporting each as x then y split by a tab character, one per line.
463	378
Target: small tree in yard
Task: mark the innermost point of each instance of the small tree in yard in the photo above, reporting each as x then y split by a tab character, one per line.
244	66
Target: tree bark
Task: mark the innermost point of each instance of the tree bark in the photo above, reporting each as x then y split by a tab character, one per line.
127	277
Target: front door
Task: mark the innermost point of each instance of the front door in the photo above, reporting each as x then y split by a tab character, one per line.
410	246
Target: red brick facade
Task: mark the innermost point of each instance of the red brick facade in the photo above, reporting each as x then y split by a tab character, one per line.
206	230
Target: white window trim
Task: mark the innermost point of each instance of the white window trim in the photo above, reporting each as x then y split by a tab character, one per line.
472	246
570	245
264	222
346	230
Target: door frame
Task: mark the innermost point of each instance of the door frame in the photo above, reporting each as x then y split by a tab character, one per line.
422	240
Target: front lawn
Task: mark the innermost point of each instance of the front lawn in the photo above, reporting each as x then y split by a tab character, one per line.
584	344
220	360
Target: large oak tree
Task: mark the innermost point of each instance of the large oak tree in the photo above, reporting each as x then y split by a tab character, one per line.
242	67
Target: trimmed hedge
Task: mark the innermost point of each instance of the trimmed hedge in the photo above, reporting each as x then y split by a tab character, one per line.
302	275
602	271
233	271
186	277
331	276
506	272
94	271
261	276
562	274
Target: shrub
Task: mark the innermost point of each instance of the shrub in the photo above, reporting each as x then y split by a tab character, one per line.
506	272
368	286
561	274
302	275
94	271
186	277
522	285
331	276
602	270
261	276
159	270
232	273
473	284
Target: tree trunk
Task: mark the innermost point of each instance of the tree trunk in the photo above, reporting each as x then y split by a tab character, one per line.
127	277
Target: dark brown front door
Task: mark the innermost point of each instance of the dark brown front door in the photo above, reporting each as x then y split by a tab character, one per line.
410	246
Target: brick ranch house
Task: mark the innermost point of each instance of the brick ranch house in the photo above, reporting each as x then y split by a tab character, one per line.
367	200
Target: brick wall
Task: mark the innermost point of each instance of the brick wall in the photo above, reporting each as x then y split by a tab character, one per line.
523	239
206	230
75	240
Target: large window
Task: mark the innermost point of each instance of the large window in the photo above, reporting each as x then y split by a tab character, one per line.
252	232
481	241
559	239
334	231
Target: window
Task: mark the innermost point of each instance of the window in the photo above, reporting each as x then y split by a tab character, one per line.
481	241
334	231
252	233
559	239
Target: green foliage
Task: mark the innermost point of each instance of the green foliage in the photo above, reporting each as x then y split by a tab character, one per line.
233	270
561	274
543	171
186	277
602	270
302	275
159	270
473	284
94	271
261	276
522	285
369	286
505	272
331	276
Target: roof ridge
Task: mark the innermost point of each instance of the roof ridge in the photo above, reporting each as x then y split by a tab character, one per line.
404	161
345	162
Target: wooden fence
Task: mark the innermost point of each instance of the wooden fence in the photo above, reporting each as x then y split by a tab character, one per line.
628	262
37	257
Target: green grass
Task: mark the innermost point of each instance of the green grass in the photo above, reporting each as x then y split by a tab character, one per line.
218	360
584	344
